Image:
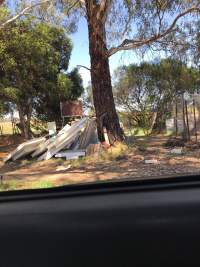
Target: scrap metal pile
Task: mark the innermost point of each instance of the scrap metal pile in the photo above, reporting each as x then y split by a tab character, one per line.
71	142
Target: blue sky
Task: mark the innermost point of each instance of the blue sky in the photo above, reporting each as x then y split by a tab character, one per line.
80	53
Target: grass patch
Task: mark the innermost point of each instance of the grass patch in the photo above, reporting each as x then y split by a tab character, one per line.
41	184
168	133
8	186
136	132
36	127
118	150
17	185
7	127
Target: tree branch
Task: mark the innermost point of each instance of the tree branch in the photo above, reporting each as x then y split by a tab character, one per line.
81	66
73	5
23	12
128	44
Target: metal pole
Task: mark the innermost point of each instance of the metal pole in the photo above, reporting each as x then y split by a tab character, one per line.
176	114
188	128
195	121
184	123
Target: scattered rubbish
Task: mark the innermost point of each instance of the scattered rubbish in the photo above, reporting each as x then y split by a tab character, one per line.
63	168
151	161
70	154
71	142
25	149
52	128
89	135
175	142
131	170
177	151
65	140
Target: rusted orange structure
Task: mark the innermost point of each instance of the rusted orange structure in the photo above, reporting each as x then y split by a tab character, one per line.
71	109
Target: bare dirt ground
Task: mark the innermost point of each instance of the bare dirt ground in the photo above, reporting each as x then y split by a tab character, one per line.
129	163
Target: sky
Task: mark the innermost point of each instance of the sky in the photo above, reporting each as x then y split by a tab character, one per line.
80	53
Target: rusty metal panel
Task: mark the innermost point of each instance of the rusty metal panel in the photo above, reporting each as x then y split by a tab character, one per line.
71	108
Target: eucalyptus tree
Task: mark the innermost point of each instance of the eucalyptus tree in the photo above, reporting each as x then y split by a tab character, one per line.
118	25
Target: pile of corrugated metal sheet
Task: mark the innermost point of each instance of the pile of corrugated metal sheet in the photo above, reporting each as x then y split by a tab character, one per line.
70	143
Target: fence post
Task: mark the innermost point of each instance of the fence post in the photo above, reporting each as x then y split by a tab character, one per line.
184	123
1	129
176	115
187	121
195	121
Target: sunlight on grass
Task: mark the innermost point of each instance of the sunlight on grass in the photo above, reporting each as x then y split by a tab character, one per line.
119	150
17	185
35	128
135	132
7	127
8	186
168	133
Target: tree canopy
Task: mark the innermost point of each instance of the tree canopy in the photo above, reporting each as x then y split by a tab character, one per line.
34	58
148	88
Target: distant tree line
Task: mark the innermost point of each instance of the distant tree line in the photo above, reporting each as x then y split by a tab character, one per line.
144	93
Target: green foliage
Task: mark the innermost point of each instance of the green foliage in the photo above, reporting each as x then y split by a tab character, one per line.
19	185
69	87
149	88
4	107
34	59
77	84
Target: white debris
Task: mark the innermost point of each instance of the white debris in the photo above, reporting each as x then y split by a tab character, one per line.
52	128
25	149
63	168
177	151
151	161
70	154
71	142
64	140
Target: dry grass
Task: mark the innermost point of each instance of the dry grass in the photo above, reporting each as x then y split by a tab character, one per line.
108	155
7	127
119	161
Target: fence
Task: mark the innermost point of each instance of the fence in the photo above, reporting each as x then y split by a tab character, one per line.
185	118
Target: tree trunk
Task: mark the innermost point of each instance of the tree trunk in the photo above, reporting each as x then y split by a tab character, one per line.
187	120
28	121
160	124
176	118
24	124
101	80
